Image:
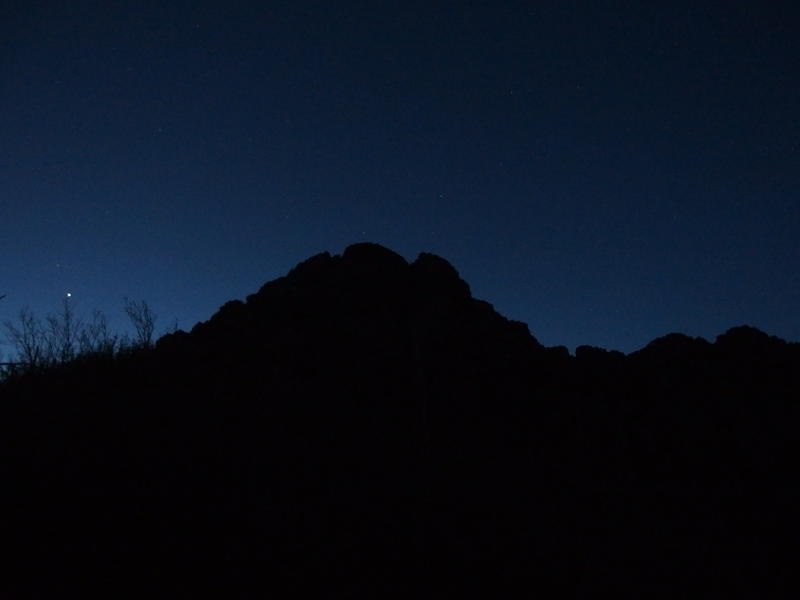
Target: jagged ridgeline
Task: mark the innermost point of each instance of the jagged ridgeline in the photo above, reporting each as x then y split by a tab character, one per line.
363	426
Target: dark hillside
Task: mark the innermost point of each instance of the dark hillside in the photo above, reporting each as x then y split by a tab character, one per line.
363	426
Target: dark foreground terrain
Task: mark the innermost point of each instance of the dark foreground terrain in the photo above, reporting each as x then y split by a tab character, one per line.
363	427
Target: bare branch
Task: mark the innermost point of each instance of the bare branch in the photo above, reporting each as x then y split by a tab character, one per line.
95	337
28	338
143	319
63	333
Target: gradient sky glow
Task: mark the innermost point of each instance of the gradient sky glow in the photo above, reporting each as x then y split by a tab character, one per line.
606	172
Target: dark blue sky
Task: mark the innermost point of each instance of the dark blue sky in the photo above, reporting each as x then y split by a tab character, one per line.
607	172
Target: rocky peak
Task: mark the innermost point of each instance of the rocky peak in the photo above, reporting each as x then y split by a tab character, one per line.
434	273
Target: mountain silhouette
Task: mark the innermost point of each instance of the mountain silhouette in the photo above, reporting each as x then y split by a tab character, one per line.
363	427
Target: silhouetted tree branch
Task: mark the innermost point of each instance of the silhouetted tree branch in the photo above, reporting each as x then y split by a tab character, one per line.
143	319
62	334
95	337
60	338
28	338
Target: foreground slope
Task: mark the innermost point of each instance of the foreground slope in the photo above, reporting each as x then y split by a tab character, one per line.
364	425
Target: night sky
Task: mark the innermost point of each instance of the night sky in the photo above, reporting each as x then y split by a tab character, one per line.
607	172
